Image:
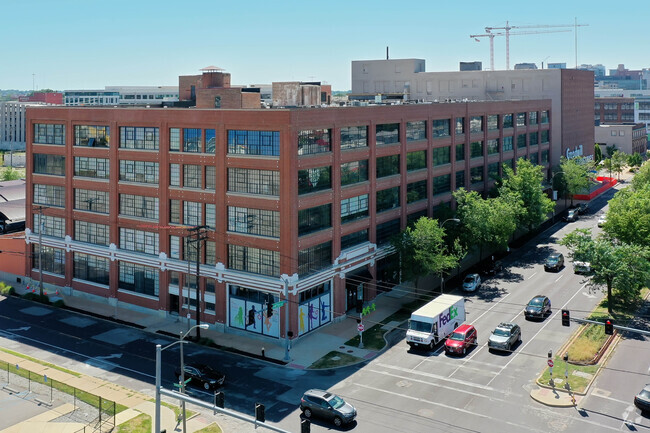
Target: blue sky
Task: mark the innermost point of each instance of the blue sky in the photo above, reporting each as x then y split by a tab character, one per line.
74	44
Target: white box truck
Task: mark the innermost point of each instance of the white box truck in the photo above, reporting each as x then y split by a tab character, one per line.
435	321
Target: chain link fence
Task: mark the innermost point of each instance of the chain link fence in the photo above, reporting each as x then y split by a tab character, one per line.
96	413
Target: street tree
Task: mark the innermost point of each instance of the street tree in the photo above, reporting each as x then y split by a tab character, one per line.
487	223
598	154
642	176
423	250
610	150
635	160
607	165
628	217
623	269
619	160
525	186
576	175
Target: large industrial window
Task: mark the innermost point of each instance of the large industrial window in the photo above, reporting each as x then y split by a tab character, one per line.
249	181
507	144
353	137
441	184
416	191
416	131
476	174
388	199
91	268
91	201
254	221
139	171
314	141
52	259
49	195
354	208
265	143
521	119
493	146
192	140
91	167
476	124
192	213
192	176
132	137
52	226
442	155
476	149
416	160
354	172
387	133
354	238
138	278
92	135
139	241
493	122
255	260
460	152
139	206
314	179
460	125
507	121
441	128
314	219
388	165
49	164
314	258
49	133
92	233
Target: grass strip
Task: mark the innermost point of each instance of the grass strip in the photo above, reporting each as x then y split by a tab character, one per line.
139	424
335	359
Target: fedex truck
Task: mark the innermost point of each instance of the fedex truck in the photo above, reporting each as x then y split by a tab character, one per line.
435	321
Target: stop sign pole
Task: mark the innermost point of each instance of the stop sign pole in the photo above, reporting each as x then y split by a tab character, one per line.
360	328
550	363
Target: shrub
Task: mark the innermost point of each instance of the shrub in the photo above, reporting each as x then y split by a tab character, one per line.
59	303
6	290
29	296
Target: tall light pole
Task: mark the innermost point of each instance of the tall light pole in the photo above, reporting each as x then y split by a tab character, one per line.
159	350
442	276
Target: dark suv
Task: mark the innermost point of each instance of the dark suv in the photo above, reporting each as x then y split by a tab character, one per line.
327	405
504	336
202	375
538	307
554	262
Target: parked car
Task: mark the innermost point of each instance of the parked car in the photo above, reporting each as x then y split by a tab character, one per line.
538	307
582	208
583	268
326	405
554	262
504	336
461	340
202	375
642	399
472	282
572	215
491	267
602	220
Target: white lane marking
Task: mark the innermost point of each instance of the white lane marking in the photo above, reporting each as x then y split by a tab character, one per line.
436	376
22	337
410	397
436	352
559	278
537	333
534	273
595	394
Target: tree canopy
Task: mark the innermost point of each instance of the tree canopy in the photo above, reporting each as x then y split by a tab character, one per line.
628	217
575	174
525	186
617	266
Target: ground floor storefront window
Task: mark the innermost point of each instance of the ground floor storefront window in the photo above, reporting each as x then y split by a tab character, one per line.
249	310
315	309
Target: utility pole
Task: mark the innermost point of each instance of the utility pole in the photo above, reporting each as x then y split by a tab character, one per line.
41	225
200	235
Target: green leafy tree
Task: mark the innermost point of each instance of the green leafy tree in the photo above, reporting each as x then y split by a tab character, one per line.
423	250
610	150
607	165
525	186
628	217
623	269
487	223
575	174
598	154
642	176
635	160
619	160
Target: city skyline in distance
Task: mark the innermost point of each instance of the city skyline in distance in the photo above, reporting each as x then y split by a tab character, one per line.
87	45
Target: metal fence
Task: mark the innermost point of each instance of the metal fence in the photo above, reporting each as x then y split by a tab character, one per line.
97	413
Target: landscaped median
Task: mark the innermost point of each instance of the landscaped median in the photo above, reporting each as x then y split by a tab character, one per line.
586	349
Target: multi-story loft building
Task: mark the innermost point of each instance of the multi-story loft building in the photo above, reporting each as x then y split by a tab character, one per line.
628	137
12	124
300	203
641	101
571	92
608	110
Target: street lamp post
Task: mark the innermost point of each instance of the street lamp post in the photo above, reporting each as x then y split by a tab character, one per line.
159	350
442	277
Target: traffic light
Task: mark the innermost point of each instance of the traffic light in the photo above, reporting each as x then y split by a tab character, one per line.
609	327
259	412
269	309
566	318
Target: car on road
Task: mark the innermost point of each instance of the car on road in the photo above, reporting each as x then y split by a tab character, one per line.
202	375
491	267
504	336
538	307
554	262
582	208
642	399
572	215
472	282
461	340
583	268
324	404
602	220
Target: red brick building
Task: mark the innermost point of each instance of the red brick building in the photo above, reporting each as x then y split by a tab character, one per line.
613	110
300	203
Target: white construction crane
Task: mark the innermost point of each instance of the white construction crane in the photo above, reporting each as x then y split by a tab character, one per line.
508	27
507	34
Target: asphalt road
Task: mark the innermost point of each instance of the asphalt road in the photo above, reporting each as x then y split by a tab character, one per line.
400	391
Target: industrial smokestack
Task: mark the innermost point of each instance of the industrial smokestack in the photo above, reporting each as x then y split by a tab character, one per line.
386	53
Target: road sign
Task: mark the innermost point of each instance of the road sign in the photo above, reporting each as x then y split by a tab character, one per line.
360	327
550	363
278	304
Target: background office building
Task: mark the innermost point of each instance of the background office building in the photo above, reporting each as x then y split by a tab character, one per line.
571	93
299	204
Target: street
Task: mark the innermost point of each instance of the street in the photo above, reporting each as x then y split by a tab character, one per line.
402	390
